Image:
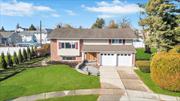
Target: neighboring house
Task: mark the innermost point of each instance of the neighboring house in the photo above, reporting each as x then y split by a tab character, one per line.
9	38
106	47
138	43
28	39
43	36
34	37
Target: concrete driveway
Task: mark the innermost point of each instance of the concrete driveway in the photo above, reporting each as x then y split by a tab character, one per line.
128	86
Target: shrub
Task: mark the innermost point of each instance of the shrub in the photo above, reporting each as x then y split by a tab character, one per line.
28	53
144	66
20	57
176	49
44	50
25	54
16	61
71	64
33	53
3	61
165	70
9	60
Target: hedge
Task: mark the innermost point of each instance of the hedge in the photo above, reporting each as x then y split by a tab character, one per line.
165	70
144	66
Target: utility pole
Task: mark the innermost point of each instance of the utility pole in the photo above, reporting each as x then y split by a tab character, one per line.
40	34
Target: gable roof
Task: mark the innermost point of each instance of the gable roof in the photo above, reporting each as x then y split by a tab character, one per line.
6	34
71	33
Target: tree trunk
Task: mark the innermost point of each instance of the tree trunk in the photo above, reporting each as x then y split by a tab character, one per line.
147	49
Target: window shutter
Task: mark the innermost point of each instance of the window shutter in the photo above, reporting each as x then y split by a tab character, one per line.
59	45
76	45
109	41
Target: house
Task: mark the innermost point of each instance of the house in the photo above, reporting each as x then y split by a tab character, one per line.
106	47
34	37
9	38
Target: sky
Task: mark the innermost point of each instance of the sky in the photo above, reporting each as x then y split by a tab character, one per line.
74	12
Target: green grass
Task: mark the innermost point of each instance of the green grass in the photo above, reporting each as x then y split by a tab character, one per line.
145	77
140	55
74	98
46	79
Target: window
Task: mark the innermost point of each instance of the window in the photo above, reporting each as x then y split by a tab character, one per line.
116	41
73	45
68	45
62	45
68	58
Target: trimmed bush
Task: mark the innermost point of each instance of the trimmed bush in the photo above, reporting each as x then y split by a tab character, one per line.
176	49
20	57
28	53
165	70
144	66
3	61
25	55
16	61
9	60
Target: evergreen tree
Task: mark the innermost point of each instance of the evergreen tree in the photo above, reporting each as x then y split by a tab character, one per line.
16	61
32	28
2	29
25	55
20	57
160	23
112	24
3	61
9	60
29	53
99	23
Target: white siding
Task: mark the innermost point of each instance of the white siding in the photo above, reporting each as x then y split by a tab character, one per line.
96	42
68	52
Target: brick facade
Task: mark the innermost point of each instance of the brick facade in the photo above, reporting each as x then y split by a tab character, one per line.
54	55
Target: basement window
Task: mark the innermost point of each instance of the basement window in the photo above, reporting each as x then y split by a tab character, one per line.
69	58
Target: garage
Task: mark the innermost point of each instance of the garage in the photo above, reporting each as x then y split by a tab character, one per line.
124	59
108	59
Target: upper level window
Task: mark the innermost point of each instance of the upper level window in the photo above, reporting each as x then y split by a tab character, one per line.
116	41
68	45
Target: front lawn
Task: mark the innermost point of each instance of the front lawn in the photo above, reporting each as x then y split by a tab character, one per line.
45	79
145	77
74	98
140	55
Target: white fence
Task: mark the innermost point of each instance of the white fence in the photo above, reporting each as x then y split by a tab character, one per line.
11	50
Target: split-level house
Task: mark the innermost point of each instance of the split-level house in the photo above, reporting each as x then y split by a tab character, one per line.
106	47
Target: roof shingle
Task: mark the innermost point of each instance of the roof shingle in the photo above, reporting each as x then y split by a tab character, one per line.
109	48
71	33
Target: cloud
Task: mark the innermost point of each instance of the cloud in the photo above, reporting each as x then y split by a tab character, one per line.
15	8
105	16
70	12
114	8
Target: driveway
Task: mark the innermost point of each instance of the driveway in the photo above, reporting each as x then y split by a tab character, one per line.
130	80
128	86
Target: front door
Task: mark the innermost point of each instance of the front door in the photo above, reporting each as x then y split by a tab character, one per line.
91	56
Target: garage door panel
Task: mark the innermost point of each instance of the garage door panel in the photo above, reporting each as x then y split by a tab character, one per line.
108	59
125	60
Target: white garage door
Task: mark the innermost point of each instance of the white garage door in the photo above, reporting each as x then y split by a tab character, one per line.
124	59
108	59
